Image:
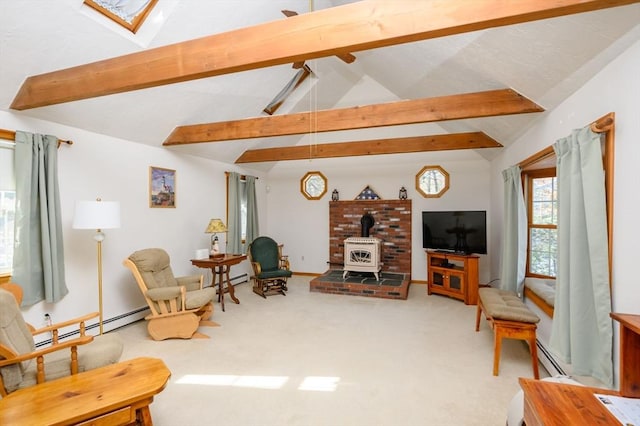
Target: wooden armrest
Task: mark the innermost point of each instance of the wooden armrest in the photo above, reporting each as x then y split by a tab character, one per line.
192	282
44	351
256	268
7	353
57	326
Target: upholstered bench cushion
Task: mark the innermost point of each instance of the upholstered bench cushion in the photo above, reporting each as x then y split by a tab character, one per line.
544	288
505	305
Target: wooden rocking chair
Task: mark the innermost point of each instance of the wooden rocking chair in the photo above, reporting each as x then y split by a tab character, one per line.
179	305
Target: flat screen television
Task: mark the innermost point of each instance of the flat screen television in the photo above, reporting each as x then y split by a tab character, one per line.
455	231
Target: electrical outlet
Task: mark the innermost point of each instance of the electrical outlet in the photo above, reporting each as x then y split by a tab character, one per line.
47	323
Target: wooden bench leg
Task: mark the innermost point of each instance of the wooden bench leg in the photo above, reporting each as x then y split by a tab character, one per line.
534	355
519	331
478	315
497	347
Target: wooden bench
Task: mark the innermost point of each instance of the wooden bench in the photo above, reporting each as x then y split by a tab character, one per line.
510	318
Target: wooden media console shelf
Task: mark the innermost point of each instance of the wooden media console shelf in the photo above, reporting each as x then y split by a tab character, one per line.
453	275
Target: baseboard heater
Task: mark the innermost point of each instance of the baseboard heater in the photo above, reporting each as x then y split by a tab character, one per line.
110	324
548	361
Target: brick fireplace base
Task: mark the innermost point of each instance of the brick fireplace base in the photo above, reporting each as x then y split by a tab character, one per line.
390	286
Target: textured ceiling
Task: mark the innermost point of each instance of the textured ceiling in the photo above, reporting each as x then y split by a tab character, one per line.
545	61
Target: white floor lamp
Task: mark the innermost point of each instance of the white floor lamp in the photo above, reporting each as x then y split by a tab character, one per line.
97	215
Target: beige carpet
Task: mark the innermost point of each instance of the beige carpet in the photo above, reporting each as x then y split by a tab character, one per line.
322	359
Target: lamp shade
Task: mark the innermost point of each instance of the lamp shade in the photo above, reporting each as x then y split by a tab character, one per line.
215	225
96	215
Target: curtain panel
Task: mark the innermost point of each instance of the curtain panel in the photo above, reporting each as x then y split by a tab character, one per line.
582	331
253	230
514	232
234	221
38	259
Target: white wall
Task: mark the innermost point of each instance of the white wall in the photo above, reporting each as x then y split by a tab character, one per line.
303	225
615	89
117	170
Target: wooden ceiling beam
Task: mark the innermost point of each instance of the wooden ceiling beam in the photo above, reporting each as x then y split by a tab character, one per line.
473	140
339	30
454	107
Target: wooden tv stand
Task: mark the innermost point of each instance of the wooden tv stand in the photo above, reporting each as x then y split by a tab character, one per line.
453	275
550	403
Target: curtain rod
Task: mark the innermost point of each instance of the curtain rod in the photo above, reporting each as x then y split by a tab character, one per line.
241	176
601	125
10	135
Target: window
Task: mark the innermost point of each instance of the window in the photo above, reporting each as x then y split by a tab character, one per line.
128	13
542	213
540	186
313	185
432	181
7	208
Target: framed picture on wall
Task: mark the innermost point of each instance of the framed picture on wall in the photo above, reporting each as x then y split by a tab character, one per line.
162	187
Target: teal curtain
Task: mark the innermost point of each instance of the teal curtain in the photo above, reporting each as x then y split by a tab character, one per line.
253	230
581	332
514	232
38	258
234	207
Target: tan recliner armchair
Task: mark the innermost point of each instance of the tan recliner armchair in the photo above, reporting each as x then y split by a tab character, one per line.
59	359
178	305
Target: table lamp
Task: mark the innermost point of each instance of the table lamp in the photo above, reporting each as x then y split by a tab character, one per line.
97	215
215	226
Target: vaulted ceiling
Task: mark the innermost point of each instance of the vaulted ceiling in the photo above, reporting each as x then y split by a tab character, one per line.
539	62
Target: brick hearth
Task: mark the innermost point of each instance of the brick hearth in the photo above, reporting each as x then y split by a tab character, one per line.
390	286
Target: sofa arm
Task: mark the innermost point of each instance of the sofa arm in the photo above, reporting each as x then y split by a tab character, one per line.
191	282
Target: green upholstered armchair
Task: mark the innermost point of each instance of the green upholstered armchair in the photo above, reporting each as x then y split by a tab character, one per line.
270	267
179	305
23	365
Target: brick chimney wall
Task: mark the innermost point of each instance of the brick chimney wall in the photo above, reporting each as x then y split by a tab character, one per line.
392	226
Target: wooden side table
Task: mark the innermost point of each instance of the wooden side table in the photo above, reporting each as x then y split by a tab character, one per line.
560	404
221	266
117	394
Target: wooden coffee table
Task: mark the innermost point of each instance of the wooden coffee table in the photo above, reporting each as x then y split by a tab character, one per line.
118	394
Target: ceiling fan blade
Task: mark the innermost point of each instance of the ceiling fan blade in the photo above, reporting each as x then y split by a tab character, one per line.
300	76
298	65
289	13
